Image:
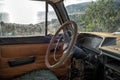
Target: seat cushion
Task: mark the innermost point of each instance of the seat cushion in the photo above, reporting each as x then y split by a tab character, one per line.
38	75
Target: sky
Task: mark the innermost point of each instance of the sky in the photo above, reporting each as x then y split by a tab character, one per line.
76	1
25	11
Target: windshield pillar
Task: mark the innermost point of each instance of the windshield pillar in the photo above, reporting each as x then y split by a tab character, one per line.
60	11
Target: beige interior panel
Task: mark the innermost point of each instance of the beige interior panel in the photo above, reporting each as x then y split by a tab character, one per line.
19	51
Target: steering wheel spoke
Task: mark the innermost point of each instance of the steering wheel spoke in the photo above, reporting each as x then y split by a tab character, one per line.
69	37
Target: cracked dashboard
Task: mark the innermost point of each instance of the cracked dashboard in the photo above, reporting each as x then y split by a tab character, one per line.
88	41
101	53
94	41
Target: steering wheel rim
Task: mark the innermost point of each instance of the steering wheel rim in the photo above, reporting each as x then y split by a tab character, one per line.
66	53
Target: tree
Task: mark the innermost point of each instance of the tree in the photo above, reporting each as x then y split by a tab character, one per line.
101	16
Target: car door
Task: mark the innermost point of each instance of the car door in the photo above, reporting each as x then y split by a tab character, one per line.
23	54
23	46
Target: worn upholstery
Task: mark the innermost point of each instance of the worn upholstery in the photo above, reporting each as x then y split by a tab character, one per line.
38	75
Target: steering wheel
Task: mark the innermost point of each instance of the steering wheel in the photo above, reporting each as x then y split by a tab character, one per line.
71	43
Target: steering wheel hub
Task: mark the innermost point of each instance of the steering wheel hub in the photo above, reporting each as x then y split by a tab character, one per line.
70	41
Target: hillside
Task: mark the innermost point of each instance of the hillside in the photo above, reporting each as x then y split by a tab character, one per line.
74	8
80	7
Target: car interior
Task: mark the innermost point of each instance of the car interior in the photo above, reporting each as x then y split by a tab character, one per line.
68	54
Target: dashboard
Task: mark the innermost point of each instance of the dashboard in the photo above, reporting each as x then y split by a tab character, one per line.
89	41
94	41
101	56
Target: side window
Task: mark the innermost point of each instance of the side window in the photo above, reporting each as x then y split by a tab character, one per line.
20	30
53	23
25	20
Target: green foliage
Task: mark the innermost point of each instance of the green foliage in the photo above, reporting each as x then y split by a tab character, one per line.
101	16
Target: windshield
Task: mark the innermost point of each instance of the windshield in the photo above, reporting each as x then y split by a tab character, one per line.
95	15
27	17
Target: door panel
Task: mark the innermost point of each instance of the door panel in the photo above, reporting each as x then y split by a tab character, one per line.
20	52
24	40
